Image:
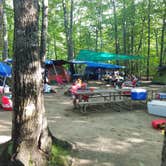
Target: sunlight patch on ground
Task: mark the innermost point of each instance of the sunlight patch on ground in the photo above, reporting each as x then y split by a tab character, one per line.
117	146
80	121
4	122
54	119
66	102
135	140
4	138
86	162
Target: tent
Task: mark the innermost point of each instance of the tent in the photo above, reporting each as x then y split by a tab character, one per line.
5	70
87	55
56	72
92	67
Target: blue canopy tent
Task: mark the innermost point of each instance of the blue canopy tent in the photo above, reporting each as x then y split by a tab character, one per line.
5	71
104	65
92	67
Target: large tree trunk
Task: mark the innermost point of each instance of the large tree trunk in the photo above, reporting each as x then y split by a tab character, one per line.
31	143
5	33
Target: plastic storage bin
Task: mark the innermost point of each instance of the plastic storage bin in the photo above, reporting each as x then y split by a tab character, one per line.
138	94
157	107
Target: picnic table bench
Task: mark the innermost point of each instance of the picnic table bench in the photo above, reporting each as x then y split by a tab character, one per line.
89	97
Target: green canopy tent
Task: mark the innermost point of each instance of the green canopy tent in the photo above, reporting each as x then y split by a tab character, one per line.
87	55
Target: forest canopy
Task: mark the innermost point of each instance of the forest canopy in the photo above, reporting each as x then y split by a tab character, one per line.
131	27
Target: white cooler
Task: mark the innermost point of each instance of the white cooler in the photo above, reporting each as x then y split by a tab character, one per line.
157	107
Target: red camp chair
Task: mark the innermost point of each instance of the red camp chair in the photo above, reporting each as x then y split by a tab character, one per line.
6	103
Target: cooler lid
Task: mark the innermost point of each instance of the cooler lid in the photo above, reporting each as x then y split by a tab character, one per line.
138	90
157	102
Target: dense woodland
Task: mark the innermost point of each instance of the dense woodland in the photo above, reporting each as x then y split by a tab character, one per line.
132	27
121	27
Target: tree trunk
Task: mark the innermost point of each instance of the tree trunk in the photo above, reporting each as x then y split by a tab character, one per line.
148	58
55	48
141	36
31	143
96	41
68	23
43	43
156	40
115	27
5	33
1	25
124	27
163	159
162	38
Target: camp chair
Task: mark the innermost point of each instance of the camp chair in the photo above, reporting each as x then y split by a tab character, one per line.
6	103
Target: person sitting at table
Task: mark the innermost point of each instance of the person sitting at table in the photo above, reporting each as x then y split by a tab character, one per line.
78	85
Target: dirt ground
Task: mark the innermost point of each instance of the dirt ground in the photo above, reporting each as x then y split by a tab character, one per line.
103	136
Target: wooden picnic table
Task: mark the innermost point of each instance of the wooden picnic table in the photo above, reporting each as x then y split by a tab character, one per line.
84	98
88	97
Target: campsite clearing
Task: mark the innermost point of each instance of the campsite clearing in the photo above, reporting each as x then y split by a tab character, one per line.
103	137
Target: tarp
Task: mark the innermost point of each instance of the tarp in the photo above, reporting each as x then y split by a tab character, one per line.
5	70
78	62
104	65
98	64
56	62
87	55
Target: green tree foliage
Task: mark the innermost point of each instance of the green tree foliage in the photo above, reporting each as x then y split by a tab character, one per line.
93	28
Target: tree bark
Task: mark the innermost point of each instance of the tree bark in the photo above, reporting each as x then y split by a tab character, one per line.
31	141
141	36
148	58
5	33
115	27
162	37
55	48
1	25
43	43
96	39
68	23
156	39
163	159
124	27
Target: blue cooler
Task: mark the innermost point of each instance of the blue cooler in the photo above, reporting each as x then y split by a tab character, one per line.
161	96
138	94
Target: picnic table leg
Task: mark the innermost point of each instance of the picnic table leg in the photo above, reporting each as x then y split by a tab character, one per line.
83	109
